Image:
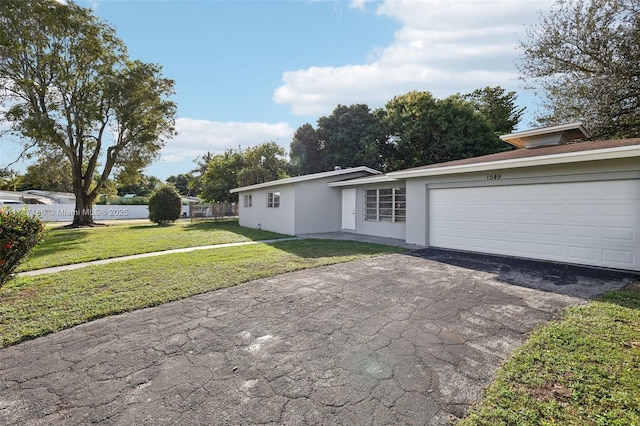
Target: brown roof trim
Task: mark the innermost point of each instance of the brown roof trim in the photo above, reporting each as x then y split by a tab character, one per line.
534	152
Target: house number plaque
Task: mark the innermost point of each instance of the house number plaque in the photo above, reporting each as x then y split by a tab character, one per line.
495	176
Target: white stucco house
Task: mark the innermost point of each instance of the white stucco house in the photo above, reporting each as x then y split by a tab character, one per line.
297	205
549	199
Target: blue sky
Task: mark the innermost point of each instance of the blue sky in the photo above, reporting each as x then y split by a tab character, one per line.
248	72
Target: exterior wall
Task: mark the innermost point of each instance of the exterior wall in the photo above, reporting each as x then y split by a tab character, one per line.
417	229
418	188
318	207
378	229
309	206
280	219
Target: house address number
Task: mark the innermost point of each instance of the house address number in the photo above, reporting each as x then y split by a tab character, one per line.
495	176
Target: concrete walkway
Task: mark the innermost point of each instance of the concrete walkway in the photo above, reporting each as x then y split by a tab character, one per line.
398	339
142	256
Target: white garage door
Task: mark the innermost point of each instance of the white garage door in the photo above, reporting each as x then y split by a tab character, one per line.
592	223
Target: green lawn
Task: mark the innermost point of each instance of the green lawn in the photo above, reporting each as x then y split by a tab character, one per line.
64	246
35	306
581	370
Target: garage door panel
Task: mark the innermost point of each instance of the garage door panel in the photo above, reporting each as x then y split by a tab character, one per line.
580	254
620	257
621	234
583	231
594	223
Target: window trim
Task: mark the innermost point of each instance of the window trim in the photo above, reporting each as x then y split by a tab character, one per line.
273	200
385	205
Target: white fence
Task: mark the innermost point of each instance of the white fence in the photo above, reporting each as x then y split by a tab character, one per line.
65	212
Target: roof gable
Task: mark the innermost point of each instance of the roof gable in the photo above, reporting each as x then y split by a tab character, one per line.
547	136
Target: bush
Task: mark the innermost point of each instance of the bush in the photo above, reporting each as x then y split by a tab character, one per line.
19	233
165	205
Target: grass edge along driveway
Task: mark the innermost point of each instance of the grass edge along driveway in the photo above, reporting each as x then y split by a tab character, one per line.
34	306
583	369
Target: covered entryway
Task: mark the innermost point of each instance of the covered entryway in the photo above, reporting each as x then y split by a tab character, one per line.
592	223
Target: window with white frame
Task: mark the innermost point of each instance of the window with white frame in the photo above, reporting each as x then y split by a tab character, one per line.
273	199
248	200
387	204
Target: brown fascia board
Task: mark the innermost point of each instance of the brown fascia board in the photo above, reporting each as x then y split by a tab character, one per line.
534	152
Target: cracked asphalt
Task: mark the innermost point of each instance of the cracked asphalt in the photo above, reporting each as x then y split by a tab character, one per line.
398	339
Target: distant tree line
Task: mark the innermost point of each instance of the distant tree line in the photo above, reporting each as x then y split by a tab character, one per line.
414	129
67	79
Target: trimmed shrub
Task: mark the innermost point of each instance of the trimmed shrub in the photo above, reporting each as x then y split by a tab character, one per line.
19	233
165	205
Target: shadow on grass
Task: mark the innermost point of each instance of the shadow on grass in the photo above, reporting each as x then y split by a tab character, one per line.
58	240
231	225
628	297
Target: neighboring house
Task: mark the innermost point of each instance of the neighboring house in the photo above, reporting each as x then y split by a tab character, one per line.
552	200
23	198
298	205
53	197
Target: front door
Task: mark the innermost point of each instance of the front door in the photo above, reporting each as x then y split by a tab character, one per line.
349	209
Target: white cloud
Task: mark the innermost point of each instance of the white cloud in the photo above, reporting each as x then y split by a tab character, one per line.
197	137
443	46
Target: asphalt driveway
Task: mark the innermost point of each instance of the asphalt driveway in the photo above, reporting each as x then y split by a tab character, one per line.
399	339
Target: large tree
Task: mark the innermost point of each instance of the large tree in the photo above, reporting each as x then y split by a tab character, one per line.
498	107
585	58
350	137
222	176
305	151
68	86
49	173
262	163
426	130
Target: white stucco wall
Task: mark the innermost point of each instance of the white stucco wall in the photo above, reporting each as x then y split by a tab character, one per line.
417	231
318	207
280	219
367	227
308	206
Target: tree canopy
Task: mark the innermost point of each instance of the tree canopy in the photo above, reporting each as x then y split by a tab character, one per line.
585	58
236	167
413	129
69	86
497	107
426	130
350	137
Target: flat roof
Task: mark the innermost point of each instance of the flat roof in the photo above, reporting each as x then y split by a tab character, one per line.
313	176
544	155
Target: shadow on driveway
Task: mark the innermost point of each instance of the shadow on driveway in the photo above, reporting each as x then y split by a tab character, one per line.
397	339
570	280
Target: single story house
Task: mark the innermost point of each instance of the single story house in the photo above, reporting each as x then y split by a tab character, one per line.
549	199
297	205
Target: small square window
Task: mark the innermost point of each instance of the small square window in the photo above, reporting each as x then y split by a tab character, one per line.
273	199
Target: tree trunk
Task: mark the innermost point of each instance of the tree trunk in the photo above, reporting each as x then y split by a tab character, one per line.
83	214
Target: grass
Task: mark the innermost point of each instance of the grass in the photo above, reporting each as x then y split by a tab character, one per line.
581	370
35	306
64	246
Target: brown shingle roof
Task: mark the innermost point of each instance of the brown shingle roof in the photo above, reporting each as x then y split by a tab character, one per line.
535	152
